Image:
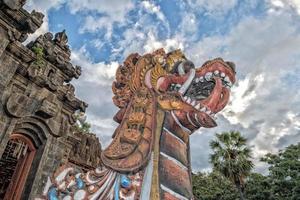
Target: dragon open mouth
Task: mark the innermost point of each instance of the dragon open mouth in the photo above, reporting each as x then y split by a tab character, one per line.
201	88
203	91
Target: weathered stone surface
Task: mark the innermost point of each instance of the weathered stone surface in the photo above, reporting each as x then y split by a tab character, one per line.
17	21
19	105
14	4
8	67
3	40
86	150
36	102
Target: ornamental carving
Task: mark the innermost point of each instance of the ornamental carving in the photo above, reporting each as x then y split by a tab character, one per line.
163	98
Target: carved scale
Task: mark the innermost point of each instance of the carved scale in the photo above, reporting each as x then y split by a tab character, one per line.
162	100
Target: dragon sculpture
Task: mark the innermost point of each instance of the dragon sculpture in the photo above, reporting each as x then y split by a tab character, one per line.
163	99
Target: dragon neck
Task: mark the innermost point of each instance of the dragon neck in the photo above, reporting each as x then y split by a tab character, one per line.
171	177
149	137
132	142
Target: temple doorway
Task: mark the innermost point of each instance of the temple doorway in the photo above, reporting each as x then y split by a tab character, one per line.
15	164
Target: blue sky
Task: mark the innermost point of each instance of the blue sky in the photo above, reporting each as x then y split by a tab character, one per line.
261	36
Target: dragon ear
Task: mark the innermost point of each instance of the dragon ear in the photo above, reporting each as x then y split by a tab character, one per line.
156	73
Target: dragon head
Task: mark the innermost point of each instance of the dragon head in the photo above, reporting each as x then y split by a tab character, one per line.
193	95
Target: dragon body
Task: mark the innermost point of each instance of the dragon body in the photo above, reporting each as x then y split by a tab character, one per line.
163	99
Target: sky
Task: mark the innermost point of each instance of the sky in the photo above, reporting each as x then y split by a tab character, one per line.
262	37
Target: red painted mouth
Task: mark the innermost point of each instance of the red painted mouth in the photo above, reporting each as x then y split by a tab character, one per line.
205	91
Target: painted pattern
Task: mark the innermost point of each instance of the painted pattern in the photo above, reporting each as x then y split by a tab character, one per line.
163	99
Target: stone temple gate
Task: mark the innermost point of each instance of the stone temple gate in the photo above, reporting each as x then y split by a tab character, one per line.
37	106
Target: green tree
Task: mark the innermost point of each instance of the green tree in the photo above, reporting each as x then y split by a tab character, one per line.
258	186
213	186
284	172
81	125
231	158
39	52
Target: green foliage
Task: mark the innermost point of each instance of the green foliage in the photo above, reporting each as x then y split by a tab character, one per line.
213	186
258	187
282	183
39	52
231	157
285	172
83	127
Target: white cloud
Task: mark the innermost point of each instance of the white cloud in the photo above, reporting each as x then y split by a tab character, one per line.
93	24
213	8
264	104
43	29
114	8
111	12
152	43
94	87
188	27
99	73
152	8
286	3
97	43
265	51
241	98
43	6
265	101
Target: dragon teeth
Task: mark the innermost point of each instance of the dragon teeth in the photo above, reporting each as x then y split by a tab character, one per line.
193	103
188	100
216	72
203	109
226	79
201	79
208	112
208	76
197	106
223	74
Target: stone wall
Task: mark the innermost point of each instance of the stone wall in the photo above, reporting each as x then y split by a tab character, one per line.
37	98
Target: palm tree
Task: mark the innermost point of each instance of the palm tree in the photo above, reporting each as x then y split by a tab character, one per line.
231	157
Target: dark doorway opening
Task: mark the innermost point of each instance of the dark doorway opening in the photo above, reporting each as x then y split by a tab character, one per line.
14	166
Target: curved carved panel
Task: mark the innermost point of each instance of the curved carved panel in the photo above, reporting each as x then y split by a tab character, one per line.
19	105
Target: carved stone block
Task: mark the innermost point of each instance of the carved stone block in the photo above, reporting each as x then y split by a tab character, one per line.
47	109
19	105
14	4
3	43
